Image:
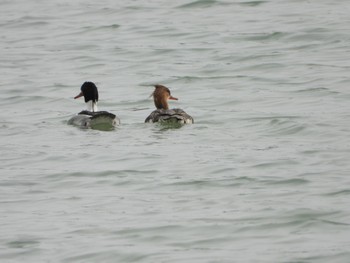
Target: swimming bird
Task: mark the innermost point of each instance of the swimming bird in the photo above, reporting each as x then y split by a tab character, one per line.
161	95
92	117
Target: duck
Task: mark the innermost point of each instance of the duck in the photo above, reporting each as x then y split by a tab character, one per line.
92	117
163	114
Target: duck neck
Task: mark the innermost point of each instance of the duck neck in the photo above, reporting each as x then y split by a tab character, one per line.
91	106
161	103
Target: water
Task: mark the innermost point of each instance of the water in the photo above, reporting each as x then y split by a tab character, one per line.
262	175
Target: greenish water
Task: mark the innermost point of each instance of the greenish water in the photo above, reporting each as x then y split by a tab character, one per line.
262	174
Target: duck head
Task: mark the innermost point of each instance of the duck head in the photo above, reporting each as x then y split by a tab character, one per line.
161	95
90	93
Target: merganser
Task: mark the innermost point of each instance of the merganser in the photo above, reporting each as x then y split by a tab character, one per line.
161	95
91	117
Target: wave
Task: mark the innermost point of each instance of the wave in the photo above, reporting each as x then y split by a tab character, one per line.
210	3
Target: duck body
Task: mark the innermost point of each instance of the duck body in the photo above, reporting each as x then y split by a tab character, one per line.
169	116
89	119
92	117
163	114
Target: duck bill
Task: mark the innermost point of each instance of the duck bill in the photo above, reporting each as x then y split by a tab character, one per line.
79	95
172	98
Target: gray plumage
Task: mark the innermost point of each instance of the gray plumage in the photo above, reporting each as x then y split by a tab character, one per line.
172	115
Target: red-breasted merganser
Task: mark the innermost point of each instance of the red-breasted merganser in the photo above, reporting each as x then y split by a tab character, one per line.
91	117
161	95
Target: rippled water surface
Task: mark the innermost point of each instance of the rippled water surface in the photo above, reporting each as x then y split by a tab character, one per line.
262	175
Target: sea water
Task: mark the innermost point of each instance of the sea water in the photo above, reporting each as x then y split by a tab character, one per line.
261	176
